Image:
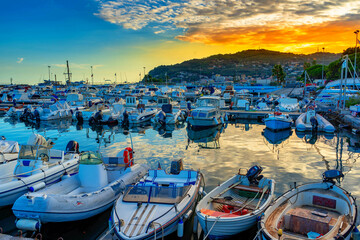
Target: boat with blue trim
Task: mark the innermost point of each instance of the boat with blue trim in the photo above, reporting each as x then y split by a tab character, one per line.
158	205
278	121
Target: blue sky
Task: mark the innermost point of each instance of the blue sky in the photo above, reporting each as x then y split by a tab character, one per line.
123	36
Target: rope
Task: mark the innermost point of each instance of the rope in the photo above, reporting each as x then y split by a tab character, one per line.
108	232
12	176
162	230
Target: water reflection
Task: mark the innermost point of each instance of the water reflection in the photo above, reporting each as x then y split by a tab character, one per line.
207	138
276	140
166	130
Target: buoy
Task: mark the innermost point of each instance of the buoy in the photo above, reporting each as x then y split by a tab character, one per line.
180	230
37	186
216	121
195	226
222	120
65	176
356	234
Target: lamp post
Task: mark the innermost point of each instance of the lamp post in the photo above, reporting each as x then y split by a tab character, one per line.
144	75
49	72
322	69
356	42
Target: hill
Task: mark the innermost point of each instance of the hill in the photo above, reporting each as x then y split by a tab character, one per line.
244	64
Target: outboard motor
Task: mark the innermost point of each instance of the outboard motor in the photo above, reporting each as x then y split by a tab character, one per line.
314	123
331	175
162	117
98	116
126	118
79	116
72	147
176	167
253	175
37	115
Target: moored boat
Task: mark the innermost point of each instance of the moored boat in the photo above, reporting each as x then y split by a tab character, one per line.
158	205
235	205
93	190
317	210
278	121
310	120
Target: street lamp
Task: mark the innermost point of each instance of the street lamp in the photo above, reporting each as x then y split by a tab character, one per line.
356	42
322	69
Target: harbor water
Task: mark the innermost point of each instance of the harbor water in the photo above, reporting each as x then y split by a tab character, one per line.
219	153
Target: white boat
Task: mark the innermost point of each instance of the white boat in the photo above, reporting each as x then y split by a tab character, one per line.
81	115
110	116
54	112
311	211
235	205
36	167
278	121
157	206
207	114
310	120
288	104
9	150
93	190
167	115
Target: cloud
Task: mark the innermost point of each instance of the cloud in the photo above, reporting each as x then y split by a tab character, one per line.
77	65
20	60
225	21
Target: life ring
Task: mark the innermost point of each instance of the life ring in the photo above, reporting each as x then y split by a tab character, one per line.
128	156
117	99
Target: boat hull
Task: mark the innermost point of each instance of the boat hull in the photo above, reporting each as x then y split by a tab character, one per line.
275	124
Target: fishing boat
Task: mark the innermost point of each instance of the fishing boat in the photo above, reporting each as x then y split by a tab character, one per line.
311	211
9	150
36	167
310	120
278	121
207	114
167	115
157	206
235	205
93	190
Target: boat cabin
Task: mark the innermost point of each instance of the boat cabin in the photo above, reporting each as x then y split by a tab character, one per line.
131	101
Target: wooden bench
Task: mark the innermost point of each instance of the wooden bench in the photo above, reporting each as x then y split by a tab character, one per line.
250	189
232	203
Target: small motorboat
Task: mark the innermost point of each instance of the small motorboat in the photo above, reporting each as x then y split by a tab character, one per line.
36	167
9	150
278	121
311	211
167	115
207	114
93	190
235	205
158	205
310	120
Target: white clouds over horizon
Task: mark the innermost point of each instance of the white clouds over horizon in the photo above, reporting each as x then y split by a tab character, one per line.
213	18
20	60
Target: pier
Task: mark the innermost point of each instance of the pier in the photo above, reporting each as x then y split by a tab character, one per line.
254	115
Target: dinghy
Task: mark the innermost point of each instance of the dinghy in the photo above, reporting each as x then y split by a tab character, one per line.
317	210
36	167
278	121
235	205
158	205
93	190
310	120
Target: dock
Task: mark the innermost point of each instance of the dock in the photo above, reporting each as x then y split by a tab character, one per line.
254	115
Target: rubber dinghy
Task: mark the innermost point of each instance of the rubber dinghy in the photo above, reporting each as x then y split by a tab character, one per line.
36	167
9	150
93	190
310	120
317	210
235	205
158	205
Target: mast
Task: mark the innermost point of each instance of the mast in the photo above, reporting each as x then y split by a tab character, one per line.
92	75
67	73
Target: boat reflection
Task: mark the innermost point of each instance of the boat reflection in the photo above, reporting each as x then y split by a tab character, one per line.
312	137
166	130
275	140
207	138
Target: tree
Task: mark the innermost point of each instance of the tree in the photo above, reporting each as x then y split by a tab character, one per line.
279	73
306	65
350	50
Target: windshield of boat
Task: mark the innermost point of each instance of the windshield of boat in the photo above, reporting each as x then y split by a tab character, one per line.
31	151
155	194
90	158
208	102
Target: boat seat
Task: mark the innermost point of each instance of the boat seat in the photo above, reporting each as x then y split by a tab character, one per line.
250	189
213	213
113	161
238	204
186	177
302	220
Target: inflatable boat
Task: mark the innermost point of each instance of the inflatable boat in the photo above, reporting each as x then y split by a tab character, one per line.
310	120
93	190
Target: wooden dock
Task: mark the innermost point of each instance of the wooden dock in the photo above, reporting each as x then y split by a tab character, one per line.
254	115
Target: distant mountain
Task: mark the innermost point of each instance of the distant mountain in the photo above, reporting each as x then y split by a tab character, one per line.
248	63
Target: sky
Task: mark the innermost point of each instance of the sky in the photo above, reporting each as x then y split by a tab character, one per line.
123	38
